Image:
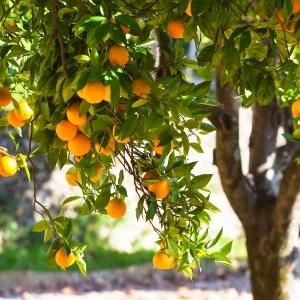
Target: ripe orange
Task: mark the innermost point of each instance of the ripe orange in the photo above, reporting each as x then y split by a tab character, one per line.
141	88
8	166
93	92
24	111
122	105
296	108
74	116
13	120
107	93
108	150
175	29
296	7
63	259
156	148
65	130
160	189
163	261
79	145
5	96
73	176
118	55
116	208
98	176
188	10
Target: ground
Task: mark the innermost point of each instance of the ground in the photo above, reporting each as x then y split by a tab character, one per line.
138	283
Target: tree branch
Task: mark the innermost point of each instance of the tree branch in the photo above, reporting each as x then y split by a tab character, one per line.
265	124
227	152
288	194
57	37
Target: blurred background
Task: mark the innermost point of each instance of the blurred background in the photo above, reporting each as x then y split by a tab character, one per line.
119	253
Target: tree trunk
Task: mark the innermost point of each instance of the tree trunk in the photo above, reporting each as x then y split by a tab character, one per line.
273	263
266	200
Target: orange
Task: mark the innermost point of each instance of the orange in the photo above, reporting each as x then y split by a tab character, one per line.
118	55
8	166
107	93
13	120
160	189
5	96
141	88
98	176
79	145
108	150
74	116
296	108
116	208
175	29
92	92
156	148
63	259
296	7
24	111
188	10
125	29
163	261
73	176
65	130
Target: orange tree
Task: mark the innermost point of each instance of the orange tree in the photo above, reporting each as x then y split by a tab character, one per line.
100	83
82	80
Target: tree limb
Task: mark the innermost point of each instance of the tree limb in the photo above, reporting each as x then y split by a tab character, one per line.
287	196
57	37
227	153
265	124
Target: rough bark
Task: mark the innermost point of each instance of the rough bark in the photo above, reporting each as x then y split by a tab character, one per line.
265	199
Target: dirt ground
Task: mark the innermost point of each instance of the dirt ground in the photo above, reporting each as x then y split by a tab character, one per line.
143	286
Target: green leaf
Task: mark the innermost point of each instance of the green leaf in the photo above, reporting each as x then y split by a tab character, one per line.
206	54
103	198
201	181
215	240
202	89
226	249
70	199
40	226
89	22
139	103
266	90
81	264
101	123
48	235
82	58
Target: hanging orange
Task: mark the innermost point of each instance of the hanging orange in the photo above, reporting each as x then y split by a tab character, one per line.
74	116
79	145
93	92
65	130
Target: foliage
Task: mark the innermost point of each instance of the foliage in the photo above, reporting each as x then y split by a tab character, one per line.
51	49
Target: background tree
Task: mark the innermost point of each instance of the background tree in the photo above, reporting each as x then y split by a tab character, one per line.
106	84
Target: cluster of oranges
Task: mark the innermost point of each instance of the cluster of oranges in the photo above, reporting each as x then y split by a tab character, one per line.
16	117
288	25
